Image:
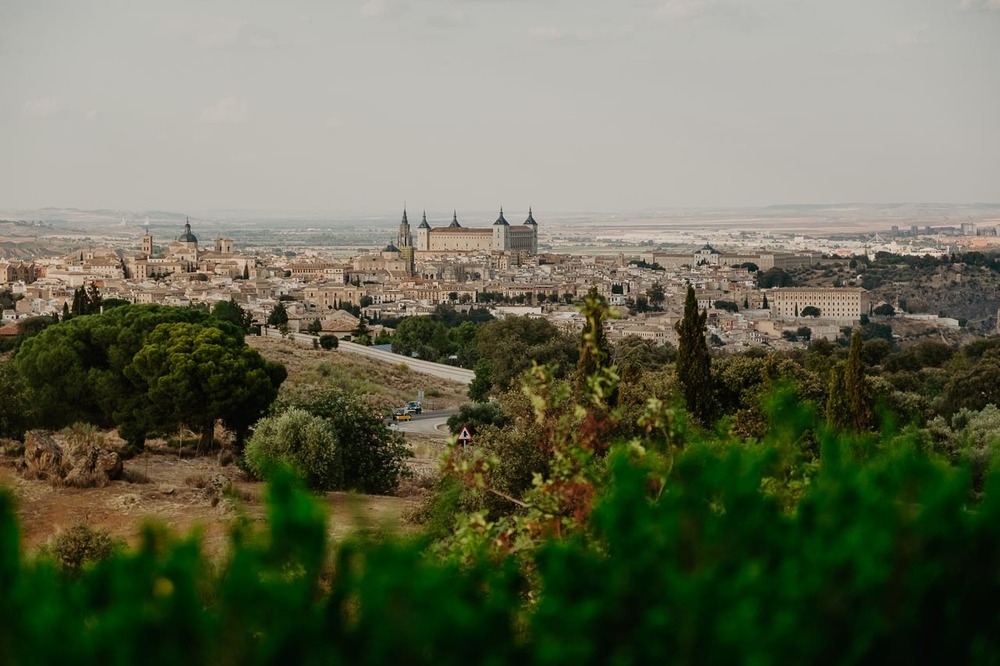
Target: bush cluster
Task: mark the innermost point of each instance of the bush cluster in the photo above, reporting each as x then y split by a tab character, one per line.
334	439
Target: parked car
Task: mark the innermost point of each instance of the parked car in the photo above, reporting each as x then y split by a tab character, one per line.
413	407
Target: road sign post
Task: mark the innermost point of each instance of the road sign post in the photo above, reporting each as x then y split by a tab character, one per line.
464	436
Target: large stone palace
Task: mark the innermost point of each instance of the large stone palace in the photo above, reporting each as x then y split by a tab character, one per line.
501	237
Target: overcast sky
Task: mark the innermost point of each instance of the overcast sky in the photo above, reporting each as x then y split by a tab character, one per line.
566	105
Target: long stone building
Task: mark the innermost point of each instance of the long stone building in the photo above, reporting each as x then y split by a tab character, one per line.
847	303
501	237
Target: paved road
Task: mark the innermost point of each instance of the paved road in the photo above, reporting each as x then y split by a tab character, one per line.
441	370
427	423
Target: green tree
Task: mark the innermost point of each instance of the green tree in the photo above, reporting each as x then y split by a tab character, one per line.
838	406
810	311
303	441
426	337
232	312
278	315
195	375
329	341
693	361
476	416
765	305
595	352
728	306
76	368
315	327
856	387
506	347
885	310
16	406
373	456
774	277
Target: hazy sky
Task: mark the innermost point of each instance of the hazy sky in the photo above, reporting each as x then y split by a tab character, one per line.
566	105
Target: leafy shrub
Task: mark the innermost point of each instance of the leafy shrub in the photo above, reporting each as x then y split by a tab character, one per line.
477	415
370	457
301	440
79	546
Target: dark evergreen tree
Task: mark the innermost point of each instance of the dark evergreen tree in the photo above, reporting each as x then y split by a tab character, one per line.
693	361
856	388
79	302
278	316
765	304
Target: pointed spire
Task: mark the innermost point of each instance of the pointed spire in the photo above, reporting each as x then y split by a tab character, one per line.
531	219
405	221
454	220
501	220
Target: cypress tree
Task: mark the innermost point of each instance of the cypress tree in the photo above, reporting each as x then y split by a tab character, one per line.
856	388
79	302
838	408
848	405
693	361
595	353
765	305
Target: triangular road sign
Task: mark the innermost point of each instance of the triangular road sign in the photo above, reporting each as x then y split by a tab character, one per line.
464	435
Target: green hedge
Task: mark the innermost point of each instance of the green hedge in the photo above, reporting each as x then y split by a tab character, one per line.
882	562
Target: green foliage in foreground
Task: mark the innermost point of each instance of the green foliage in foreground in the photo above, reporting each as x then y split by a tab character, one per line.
882	562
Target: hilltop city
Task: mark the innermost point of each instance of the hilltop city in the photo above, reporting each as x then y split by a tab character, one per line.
744	287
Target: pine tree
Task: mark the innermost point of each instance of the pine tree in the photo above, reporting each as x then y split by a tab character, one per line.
746	302
246	271
65	312
693	361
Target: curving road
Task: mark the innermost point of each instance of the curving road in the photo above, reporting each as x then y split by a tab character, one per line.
441	370
428	423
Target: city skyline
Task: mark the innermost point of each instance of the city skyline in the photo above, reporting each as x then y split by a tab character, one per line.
564	106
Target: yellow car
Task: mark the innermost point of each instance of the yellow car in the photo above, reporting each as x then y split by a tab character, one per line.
402	414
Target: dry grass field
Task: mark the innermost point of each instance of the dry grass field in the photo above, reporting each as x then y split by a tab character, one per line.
390	384
201	493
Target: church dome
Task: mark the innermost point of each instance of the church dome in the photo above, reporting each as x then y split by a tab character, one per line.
187	236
